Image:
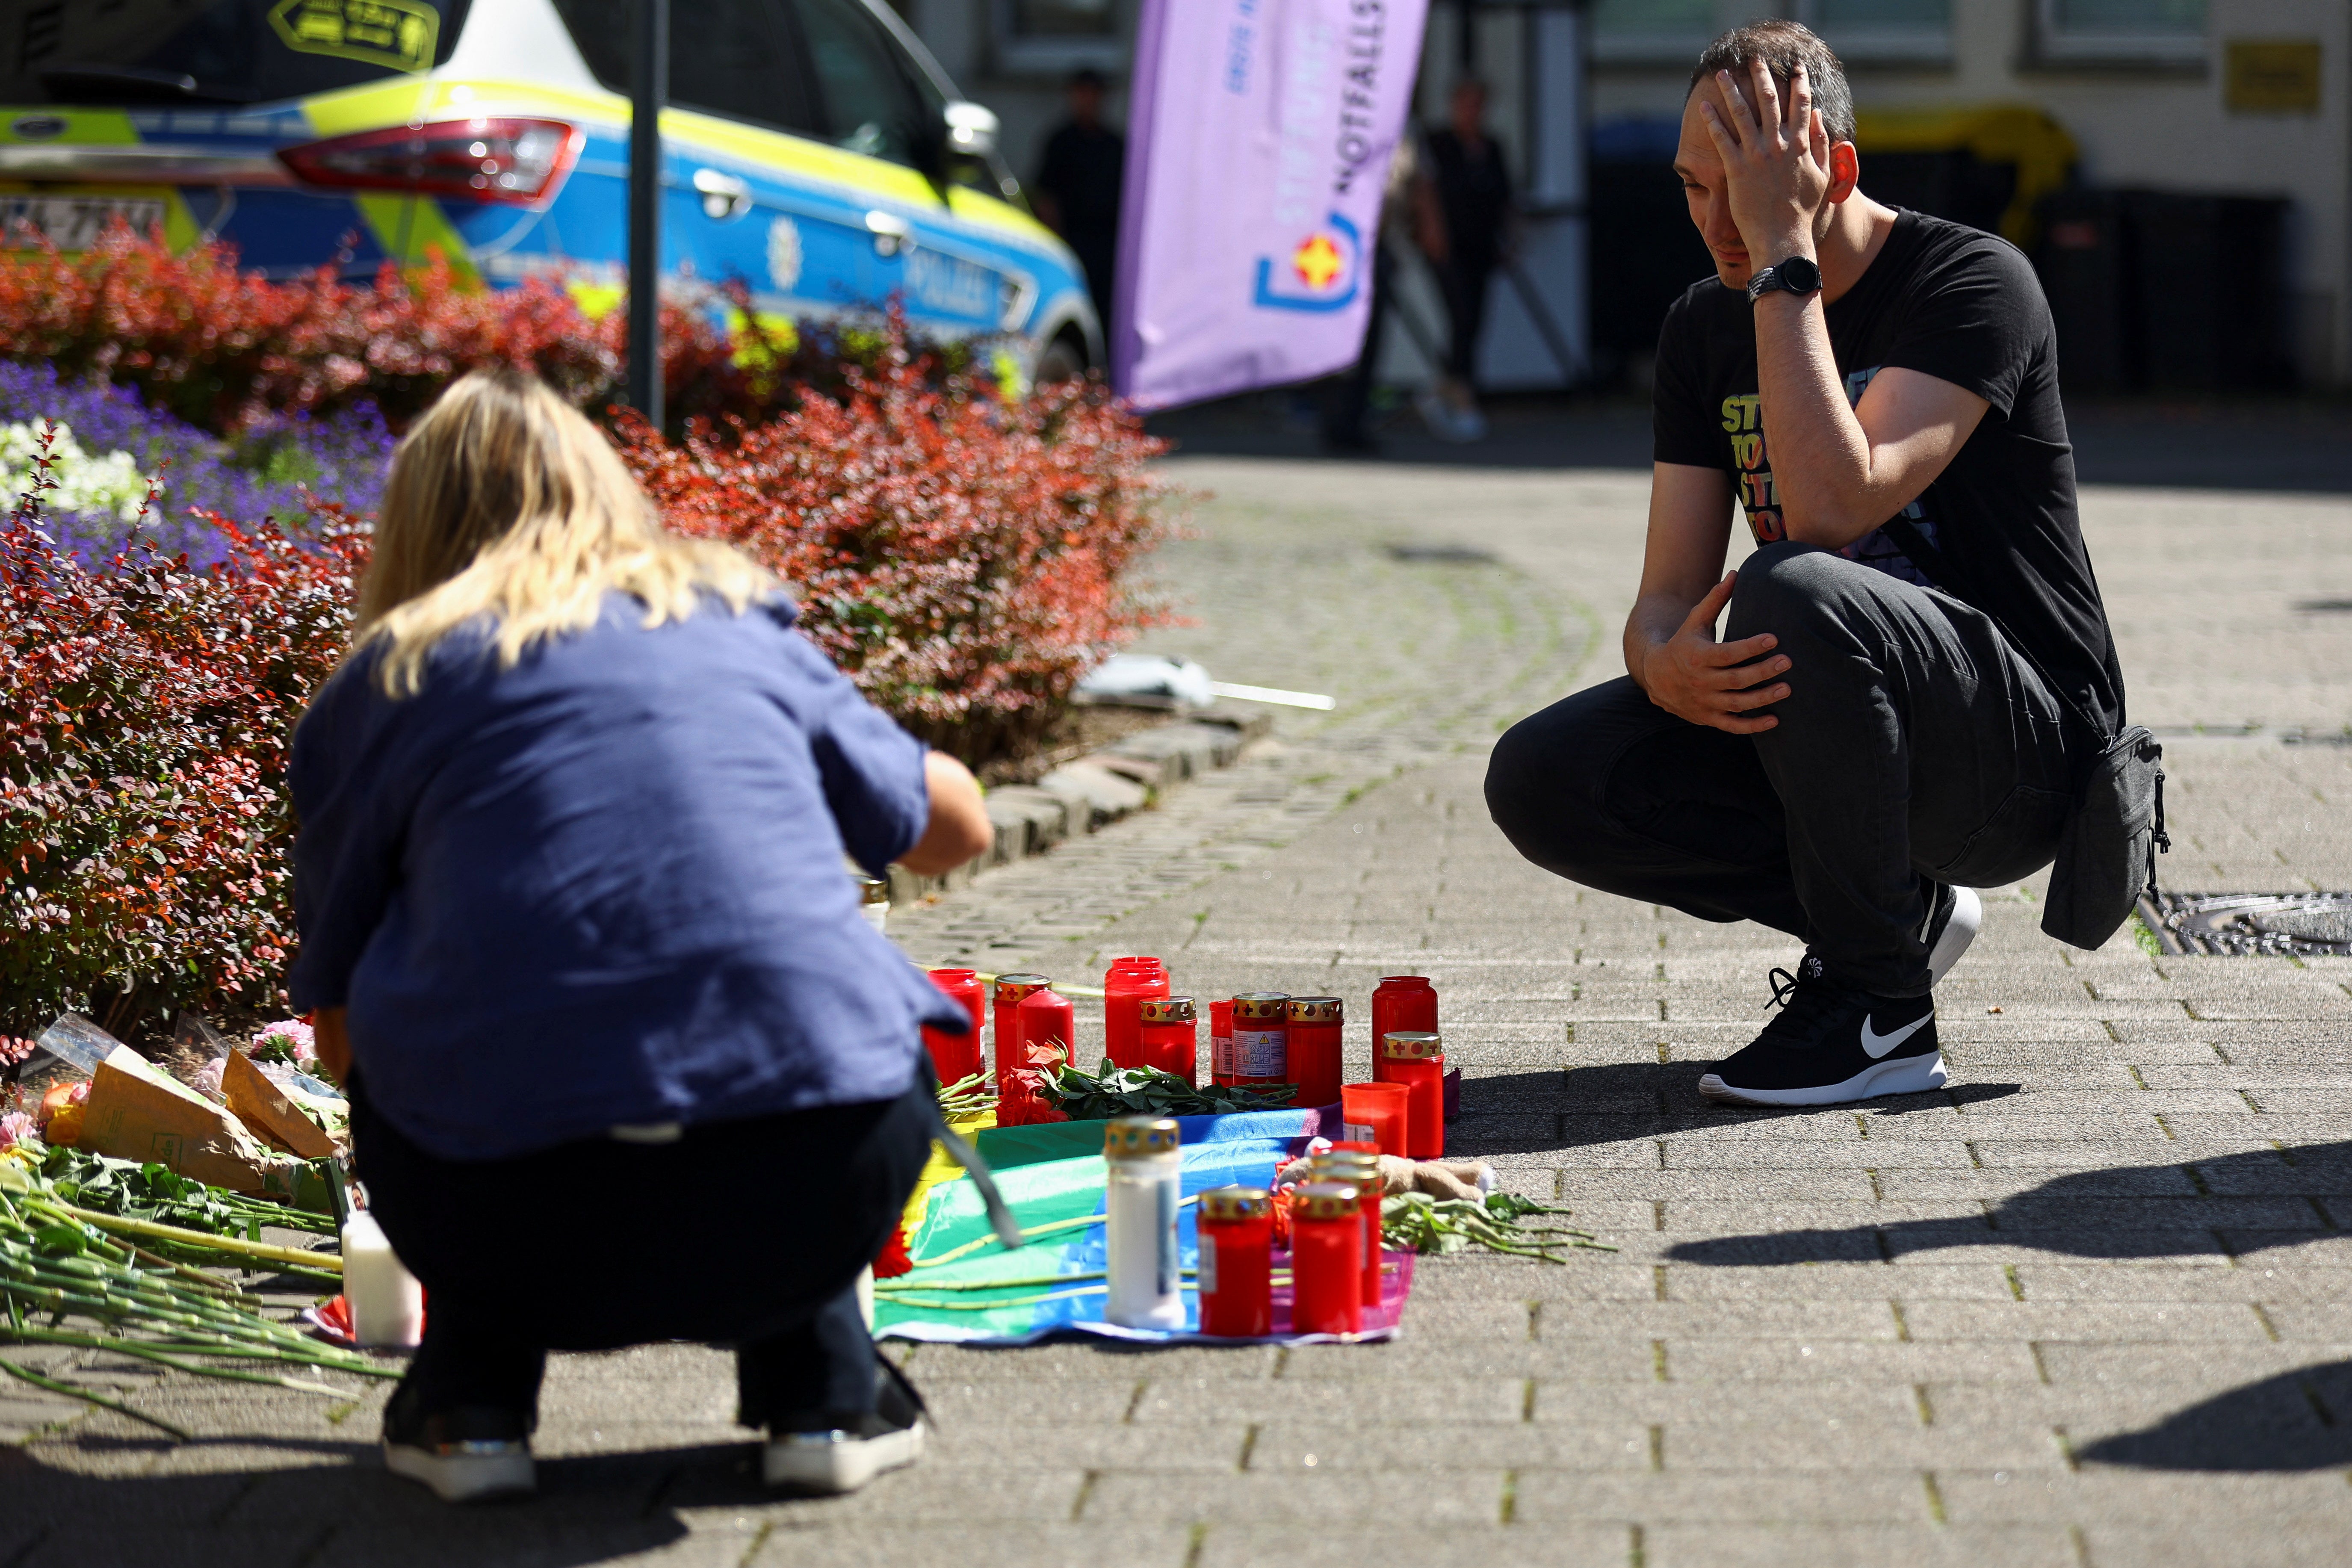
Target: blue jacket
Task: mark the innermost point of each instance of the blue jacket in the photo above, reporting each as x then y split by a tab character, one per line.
605	886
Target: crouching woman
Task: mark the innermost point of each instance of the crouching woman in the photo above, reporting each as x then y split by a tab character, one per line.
627	1064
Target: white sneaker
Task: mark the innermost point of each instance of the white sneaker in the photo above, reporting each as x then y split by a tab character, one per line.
471	1454
836	1461
465	1471
1960	928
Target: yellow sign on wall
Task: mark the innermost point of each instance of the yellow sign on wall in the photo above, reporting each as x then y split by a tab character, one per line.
399	34
2271	76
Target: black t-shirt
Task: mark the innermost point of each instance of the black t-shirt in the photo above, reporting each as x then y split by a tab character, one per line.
1963	307
1473	191
1084	168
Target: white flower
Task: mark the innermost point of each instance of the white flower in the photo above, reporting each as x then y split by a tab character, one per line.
85	483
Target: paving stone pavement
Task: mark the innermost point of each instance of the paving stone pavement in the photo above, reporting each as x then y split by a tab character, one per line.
2083	1308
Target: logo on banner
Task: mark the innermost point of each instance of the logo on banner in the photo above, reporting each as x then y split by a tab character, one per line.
1320	271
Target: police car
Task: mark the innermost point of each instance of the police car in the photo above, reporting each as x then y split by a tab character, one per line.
813	151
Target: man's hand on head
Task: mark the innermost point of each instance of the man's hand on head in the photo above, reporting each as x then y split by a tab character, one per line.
1719	684
1776	161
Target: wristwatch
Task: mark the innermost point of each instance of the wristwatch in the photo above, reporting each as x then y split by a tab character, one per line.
1798	275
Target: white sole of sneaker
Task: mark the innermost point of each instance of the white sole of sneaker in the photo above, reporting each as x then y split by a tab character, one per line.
837	1468
1968	919
1905	1075
464	1477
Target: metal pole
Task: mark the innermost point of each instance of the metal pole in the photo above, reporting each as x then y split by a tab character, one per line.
649	89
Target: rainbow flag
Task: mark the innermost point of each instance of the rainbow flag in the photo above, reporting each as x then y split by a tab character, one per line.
967	1290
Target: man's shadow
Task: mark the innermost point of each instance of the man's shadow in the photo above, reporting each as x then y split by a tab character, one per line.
1608	1102
2228	1203
2299	1420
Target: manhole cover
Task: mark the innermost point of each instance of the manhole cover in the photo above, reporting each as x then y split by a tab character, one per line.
2233	924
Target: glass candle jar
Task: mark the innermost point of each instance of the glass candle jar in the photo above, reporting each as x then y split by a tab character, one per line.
1261	1038
1221	1042
1375	1113
873	899
1010	991
1312	1045
1236	1229
1144	1174
956	1056
1171	1036
1417	1060
1125	985
1359	1165
1327	1259
1400	1002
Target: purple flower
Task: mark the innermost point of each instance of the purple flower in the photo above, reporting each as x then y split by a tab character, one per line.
266	471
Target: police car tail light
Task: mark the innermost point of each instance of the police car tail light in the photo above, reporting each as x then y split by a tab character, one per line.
486	160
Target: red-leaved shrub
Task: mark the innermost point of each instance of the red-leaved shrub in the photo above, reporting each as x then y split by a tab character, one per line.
964	559
144	714
220	348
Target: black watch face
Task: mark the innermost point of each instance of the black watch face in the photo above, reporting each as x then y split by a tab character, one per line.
1798	275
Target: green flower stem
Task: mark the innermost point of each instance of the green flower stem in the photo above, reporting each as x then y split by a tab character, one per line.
132	1348
100	1400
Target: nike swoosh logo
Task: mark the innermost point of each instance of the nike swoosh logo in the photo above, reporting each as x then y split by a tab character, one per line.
1876	1045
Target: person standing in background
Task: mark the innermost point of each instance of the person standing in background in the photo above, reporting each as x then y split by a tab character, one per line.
1077	188
1405	204
1478	215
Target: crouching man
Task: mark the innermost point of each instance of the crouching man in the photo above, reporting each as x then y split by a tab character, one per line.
1916	666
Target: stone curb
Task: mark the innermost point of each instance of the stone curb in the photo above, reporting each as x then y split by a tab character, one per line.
1095	791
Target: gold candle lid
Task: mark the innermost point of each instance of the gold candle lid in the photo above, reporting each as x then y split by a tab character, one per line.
1236	1203
1139	1137
1262	1006
1169	1010
870	889
1405	1046
1316	1010
1013	987
1324	1200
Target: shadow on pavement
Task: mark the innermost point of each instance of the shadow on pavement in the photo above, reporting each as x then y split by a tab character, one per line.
2299	1420
2128	1211
1610	1102
590	1509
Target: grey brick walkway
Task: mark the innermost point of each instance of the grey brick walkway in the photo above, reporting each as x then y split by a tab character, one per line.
2085	1307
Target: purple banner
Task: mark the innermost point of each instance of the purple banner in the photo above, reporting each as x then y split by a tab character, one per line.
1257	149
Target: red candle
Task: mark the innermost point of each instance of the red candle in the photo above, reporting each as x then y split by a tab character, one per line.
1314	1028
1402	1002
1417	1060
1327	1259
956	1056
1236	1230
1375	1113
1171	1036
1012	990
1221	1042
1359	1165
1125	985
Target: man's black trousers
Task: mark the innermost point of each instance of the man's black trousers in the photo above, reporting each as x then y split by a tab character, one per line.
748	1233
1916	746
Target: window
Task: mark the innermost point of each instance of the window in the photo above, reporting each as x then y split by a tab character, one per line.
868	86
2150	31
1055	36
226	51
733	57
1659	32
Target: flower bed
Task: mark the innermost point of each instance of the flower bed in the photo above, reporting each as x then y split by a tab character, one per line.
110	445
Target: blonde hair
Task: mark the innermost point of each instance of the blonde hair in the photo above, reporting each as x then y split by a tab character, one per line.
506	507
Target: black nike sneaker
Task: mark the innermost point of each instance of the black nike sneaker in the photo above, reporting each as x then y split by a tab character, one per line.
1831	1044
